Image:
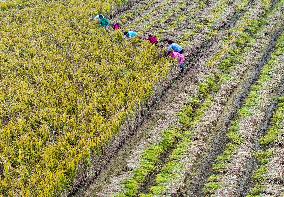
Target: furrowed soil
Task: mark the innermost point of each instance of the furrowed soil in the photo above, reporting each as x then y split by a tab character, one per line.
234	97
180	20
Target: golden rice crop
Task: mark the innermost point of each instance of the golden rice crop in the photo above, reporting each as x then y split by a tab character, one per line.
66	86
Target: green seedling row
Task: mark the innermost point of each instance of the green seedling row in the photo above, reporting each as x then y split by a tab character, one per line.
251	103
267	142
188	118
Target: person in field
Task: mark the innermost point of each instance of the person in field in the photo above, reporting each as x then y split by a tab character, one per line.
130	34
104	22
116	27
152	39
174	47
181	59
97	17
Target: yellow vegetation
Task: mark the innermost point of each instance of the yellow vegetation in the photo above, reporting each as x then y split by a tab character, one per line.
66	86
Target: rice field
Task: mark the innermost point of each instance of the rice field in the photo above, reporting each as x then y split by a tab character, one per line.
87	113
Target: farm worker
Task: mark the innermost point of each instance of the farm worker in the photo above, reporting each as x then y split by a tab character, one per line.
130	34
97	17
180	58
174	47
152	39
116	26
103	21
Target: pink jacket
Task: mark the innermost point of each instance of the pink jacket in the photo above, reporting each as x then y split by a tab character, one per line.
180	57
116	26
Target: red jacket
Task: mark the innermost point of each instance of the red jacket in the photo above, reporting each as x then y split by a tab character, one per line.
153	39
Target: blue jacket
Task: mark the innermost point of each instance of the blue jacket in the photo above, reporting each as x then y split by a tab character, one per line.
132	34
175	47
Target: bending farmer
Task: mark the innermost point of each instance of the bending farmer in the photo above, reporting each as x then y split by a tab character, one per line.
174	47
130	34
97	17
152	39
180	58
116	26
103	21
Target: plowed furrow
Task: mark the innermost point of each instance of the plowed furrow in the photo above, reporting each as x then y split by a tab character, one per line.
268	176
234	167
233	94
196	152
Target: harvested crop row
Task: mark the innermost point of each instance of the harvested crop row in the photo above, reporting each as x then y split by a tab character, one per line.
192	21
208	122
233	167
66	88
164	18
149	19
142	9
143	5
208	26
179	21
240	67
233	26
209	39
260	7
